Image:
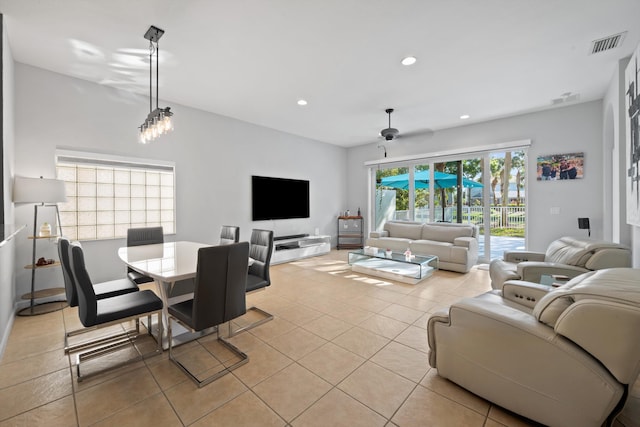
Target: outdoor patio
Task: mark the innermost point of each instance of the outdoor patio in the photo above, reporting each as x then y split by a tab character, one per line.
500	244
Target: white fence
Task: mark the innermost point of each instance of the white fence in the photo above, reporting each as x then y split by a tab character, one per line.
501	217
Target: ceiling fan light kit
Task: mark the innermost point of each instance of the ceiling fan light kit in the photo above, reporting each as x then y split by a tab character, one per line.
389	134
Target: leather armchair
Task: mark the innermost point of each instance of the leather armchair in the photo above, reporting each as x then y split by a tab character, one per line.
566	256
564	357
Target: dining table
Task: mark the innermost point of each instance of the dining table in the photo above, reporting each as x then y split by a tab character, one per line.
167	264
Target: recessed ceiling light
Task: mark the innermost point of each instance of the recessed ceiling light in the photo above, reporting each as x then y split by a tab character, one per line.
409	60
302	102
465	116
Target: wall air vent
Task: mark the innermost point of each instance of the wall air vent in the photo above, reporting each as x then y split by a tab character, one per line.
606	43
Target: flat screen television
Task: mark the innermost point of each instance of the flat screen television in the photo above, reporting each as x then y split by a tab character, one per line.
279	198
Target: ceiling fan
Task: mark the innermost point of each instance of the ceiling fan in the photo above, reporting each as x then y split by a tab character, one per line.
390	134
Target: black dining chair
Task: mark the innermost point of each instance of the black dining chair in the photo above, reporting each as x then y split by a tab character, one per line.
258	278
138	237
219	297
229	234
101	290
98	313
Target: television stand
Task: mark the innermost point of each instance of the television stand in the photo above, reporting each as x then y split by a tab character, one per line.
290	237
299	246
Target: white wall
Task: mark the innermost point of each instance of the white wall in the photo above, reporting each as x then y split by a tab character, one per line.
7	252
576	128
215	157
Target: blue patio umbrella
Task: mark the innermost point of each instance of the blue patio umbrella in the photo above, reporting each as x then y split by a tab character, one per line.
441	180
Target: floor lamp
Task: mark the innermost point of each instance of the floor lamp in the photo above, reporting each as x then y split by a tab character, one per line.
44	193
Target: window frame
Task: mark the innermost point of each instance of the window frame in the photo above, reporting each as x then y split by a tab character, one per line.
101	162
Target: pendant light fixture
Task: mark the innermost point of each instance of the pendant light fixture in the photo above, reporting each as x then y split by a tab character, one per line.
158	121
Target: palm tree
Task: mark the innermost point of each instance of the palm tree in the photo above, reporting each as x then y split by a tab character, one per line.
496	165
519	165
504	186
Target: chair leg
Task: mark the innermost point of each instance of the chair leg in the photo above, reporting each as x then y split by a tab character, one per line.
201	383
106	346
267	317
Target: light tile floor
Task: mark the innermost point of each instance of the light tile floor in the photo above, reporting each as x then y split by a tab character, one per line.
344	350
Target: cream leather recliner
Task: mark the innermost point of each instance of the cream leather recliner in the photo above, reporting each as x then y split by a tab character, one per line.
564	357
567	256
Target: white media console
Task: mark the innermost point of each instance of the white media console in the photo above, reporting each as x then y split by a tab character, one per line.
290	248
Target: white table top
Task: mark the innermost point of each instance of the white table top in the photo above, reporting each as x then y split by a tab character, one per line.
166	262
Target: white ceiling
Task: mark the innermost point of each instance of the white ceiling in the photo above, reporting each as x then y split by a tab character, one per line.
253	59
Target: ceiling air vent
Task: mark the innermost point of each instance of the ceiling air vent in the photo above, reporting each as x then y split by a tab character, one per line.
607	43
566	97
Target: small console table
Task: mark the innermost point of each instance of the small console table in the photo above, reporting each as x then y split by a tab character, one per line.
350	233
298	246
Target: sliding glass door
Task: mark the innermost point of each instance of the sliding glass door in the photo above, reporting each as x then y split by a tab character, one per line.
391	196
486	190
507	201
458	190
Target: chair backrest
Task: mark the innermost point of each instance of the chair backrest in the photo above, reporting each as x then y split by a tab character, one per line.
67	274
144	236
87	302
260	251
220	294
578	252
229	234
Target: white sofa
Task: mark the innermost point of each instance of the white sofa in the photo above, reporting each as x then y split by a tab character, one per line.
455	245
562	357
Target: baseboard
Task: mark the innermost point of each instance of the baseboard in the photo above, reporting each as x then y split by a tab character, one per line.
7	332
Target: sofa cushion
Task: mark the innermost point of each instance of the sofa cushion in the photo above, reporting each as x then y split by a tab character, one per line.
567	251
445	232
440	249
406	230
572	251
393	243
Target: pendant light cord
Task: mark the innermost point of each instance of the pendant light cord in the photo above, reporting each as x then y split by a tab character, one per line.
150	76
157	74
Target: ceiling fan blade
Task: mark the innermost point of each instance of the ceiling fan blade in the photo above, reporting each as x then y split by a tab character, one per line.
425	132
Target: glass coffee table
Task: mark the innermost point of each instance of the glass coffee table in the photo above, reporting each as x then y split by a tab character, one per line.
393	265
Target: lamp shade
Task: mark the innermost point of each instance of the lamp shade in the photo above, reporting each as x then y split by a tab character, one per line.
38	190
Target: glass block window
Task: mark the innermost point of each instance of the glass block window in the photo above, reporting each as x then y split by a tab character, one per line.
106	195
